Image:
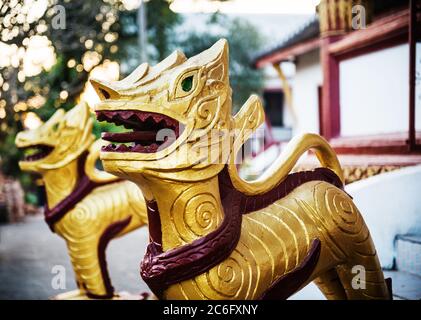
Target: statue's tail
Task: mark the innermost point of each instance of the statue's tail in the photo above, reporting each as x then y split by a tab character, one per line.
286	160
96	175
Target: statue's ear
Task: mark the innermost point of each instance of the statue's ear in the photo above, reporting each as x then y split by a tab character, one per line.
214	60
247	120
218	67
78	116
56	117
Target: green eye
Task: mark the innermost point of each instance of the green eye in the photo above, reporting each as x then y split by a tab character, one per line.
187	84
55	127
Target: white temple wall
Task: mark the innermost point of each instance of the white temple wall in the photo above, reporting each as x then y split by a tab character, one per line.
307	79
374	93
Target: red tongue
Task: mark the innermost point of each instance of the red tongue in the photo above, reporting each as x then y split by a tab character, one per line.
129	136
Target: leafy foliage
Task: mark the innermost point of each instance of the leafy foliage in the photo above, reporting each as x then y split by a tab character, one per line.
96	31
91	35
244	41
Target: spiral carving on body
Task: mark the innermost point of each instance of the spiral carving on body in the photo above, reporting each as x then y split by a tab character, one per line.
342	211
77	226
335	211
195	214
234	278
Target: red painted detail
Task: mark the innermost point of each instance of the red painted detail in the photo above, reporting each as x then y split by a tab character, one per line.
330	92
384	32
396	143
412	35
288	53
82	188
320	108
110	232
365	160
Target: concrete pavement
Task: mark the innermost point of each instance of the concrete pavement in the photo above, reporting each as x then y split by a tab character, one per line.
29	251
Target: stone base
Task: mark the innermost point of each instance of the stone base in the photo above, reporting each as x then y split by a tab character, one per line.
123	295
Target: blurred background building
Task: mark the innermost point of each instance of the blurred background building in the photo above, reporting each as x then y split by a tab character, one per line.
352	84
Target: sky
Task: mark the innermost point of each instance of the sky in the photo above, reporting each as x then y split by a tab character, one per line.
273	27
246	6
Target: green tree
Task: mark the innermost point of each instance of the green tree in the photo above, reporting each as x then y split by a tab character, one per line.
244	41
95	30
161	23
90	28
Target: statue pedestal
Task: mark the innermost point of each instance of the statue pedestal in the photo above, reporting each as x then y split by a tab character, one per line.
123	295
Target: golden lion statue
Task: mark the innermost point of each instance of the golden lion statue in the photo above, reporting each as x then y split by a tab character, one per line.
214	235
87	207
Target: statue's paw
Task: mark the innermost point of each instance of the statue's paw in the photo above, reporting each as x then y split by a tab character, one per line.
124	295
70	295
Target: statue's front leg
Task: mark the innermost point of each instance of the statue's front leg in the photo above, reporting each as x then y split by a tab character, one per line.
89	261
345	232
71	295
90	269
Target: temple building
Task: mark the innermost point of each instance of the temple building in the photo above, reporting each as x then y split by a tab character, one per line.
353	81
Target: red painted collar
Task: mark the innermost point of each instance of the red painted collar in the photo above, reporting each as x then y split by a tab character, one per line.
83	187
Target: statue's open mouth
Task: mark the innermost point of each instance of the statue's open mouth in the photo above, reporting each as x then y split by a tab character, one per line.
151	132
36	152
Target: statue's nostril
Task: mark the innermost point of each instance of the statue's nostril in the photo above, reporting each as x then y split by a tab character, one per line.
105	94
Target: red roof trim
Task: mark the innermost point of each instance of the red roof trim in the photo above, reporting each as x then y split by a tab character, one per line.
288	53
392	27
388	29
